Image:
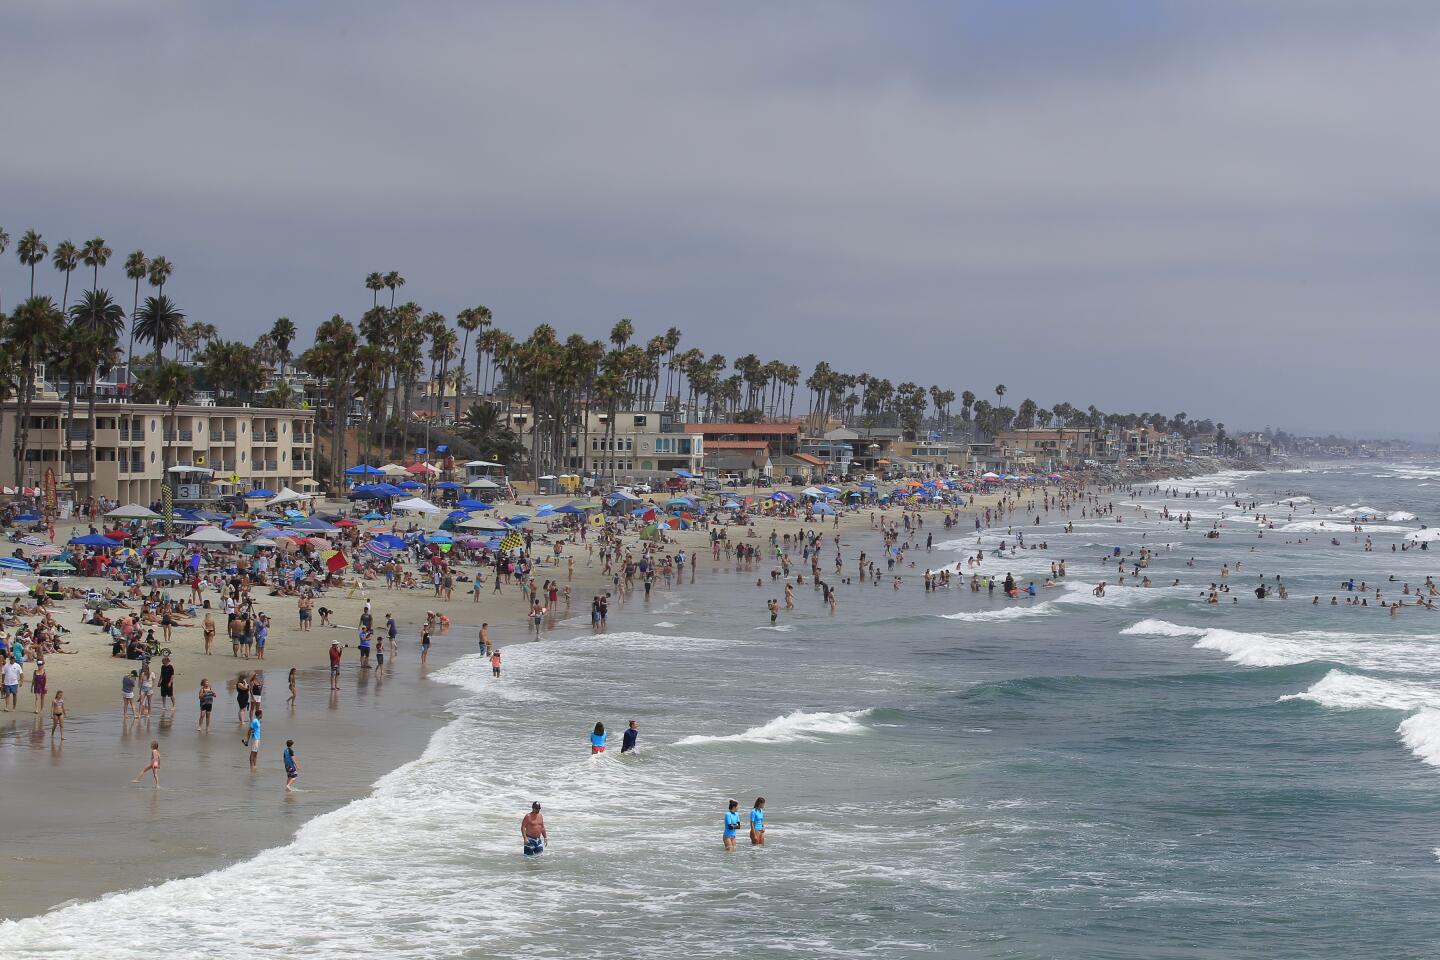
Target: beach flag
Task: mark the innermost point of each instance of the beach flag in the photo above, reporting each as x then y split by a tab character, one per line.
336	560
512	541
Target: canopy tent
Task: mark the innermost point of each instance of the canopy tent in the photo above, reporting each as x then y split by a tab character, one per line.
482	483
822	509
188	468
411	485
164	574
472	504
92	540
572	508
483	463
393	470
482	523
286	495
259	493
417	504
391	541
621	495
363	470
307	482
132	511
211	535
686	475
314	525
448	485
422	468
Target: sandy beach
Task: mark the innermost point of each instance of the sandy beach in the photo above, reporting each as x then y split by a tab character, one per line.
90	831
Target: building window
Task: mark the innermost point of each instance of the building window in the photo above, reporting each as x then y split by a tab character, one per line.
242	457
640	420
152	424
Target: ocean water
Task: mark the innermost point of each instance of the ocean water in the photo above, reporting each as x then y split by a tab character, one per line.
949	774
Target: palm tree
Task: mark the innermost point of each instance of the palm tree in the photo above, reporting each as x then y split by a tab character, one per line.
469	320
1000	394
393	280
66	259
282	334
159	322
96	255
137	268
101	321
4	245
160	270
334	357
31	250
442	348
169	383
621	333
31	334
374	282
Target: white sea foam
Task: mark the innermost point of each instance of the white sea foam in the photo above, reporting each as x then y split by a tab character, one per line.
795	727
1421	733
1339	526
1071	595
665	625
1417	653
1339	690
1042	609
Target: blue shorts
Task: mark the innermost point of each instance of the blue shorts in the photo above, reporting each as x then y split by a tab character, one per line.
534	846
11	689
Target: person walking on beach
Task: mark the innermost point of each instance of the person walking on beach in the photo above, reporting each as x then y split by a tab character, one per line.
631	738
207	705
732	824
757	823
242	698
153	767
292	769
485	639
253	738
291	681
38	682
10	675
167	683
57	714
495	663
424	643
335	664
209	630
532	831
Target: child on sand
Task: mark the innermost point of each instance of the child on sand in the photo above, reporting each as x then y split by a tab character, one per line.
153	767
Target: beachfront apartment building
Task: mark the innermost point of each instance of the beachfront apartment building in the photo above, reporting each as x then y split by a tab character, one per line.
135	444
1045	449
645	445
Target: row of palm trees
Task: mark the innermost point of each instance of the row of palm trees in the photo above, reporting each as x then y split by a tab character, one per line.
373	368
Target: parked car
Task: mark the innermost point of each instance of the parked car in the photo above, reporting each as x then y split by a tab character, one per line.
732	480
677	484
870	478
712	484
641	488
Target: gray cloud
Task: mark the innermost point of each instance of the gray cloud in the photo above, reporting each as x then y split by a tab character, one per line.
1147	207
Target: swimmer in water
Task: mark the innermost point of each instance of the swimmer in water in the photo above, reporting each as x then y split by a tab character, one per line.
597	739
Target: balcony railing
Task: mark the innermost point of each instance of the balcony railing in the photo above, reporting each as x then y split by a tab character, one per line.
228	435
270	465
182	435
80	433
271	436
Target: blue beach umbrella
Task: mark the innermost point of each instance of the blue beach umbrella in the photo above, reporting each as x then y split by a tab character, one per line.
259	493
92	540
412	485
163	574
14	563
469	504
363	470
391	541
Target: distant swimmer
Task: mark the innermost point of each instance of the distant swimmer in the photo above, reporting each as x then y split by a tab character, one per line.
532	831
632	736
757	823
597	739
732	824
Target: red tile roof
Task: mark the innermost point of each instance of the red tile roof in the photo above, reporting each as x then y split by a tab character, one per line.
744	429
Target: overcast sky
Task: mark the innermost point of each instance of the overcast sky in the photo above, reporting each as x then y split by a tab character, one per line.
1225	208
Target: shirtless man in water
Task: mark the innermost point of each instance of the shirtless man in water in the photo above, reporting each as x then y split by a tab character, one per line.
532	831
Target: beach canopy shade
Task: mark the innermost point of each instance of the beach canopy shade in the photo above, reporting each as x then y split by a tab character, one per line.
170	545
411	485
393	470
27	517
483	463
286	495
307	482
622	495
363	470
447	485
422	467
92	540
132	511
9	586
824	509
163	574
259	493
418	504
14	563
989	476
187	468
685	474
481	483
313	525
571	508
482	523
263	542
472	504
211	535
59	566
391	541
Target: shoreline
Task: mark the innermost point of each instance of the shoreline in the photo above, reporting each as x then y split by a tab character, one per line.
210	813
